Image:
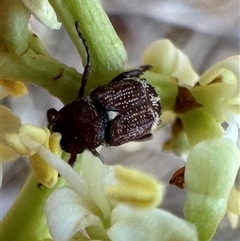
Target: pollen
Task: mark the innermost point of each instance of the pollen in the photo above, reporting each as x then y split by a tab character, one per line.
42	171
136	189
15	143
12	88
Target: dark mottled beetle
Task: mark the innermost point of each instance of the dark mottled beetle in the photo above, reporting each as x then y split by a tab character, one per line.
126	109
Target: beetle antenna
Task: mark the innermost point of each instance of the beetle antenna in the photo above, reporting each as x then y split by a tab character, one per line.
88	65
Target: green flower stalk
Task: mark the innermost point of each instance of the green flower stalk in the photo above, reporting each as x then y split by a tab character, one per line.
25	219
210	174
106	49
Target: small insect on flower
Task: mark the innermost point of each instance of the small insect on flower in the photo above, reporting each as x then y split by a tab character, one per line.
127	109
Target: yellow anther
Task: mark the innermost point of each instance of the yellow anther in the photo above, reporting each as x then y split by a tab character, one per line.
44	173
33	137
12	88
15	143
34	133
54	145
136	188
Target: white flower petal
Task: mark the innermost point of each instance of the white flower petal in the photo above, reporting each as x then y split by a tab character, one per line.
233	219
183	70
96	175
132	146
153	225
44	12
66	214
232	131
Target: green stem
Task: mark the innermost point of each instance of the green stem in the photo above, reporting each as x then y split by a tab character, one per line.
14	18
25	219
106	49
59	79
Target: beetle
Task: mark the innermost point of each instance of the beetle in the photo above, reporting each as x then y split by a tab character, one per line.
127	109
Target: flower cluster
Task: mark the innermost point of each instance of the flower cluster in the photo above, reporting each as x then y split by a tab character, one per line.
101	202
210	174
117	204
14	144
197	105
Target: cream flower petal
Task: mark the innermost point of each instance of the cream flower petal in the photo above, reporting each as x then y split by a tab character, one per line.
167	60
218	89
98	176
66	214
219	100
153	225
234	202
44	12
228	68
234	219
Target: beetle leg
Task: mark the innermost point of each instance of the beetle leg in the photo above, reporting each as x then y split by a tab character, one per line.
147	137
134	73
51	115
72	159
97	154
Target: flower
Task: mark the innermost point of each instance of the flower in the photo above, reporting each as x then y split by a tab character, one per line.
208	179
115	206
12	146
233	210
199	105
12	88
210	174
152	225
